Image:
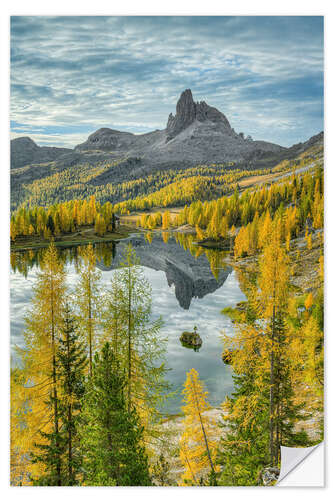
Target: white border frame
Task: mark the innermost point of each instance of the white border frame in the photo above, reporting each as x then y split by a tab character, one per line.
147	7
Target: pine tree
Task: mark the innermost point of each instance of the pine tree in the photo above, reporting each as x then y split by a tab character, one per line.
111	435
243	449
36	408
49	452
113	320
261	414
72	360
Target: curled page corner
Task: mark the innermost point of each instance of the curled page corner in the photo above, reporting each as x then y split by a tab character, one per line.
296	458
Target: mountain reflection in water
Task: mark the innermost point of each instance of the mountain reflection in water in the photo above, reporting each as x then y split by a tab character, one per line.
190	286
190	273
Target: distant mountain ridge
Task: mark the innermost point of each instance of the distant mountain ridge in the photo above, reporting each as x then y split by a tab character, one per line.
197	133
117	165
24	151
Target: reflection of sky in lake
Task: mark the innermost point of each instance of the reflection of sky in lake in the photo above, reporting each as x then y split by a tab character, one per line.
204	313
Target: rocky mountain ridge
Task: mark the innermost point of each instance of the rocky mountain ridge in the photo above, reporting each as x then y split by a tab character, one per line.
24	151
196	134
187	111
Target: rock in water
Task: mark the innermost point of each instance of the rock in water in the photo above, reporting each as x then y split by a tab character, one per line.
191	339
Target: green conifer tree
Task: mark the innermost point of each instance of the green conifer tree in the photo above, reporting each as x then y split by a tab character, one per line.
60	453
111	435
72	360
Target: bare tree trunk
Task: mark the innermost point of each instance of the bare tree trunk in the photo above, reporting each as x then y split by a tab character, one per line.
189	466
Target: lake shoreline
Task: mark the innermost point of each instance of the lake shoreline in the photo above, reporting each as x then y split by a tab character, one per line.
82	237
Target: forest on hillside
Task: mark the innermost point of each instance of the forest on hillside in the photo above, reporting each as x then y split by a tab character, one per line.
48	185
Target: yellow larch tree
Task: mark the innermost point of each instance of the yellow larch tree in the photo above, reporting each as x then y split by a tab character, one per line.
87	298
265	230
308	301
272	300
197	444
38	377
19	460
213	229
166	220
308	238
91	210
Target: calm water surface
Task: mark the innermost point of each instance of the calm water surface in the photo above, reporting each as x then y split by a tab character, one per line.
203	312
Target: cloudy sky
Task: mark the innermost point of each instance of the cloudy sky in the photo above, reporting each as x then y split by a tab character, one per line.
73	75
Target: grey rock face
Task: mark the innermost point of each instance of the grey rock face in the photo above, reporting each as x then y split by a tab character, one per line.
107	139
303	146
197	133
185	115
192	278
187	111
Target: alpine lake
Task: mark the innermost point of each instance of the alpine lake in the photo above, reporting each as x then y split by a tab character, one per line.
190	287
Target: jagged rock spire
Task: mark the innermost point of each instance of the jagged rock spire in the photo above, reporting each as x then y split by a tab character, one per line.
187	111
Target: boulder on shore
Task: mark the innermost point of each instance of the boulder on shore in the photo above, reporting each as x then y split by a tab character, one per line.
269	476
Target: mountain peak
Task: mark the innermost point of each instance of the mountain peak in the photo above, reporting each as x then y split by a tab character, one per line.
187	111
185	100
24	141
23	150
